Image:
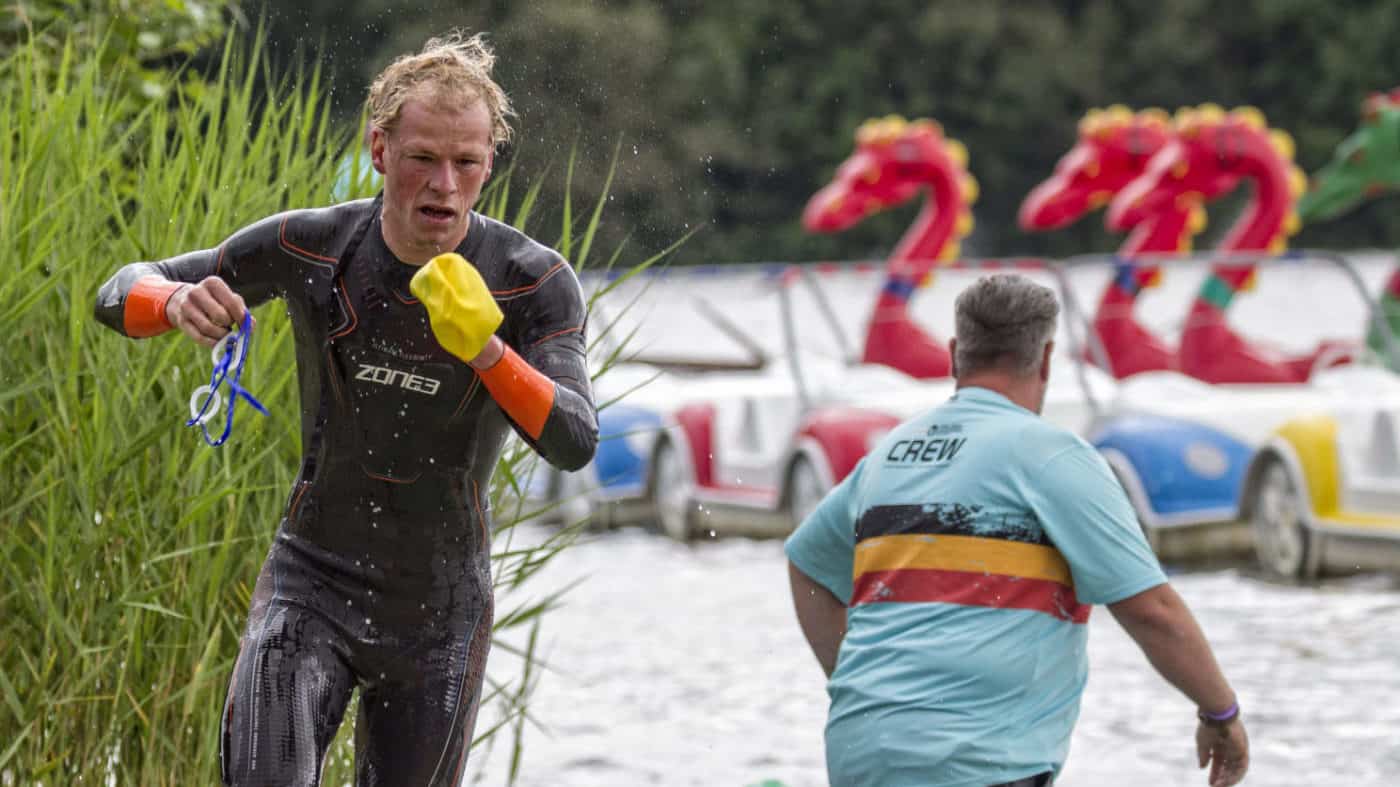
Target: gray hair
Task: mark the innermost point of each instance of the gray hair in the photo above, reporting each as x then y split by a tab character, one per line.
1004	321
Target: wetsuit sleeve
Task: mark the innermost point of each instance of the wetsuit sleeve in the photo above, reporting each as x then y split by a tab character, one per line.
132	302
823	546
1088	517
542	383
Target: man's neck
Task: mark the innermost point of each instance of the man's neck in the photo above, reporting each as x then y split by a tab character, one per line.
1020	390
411	255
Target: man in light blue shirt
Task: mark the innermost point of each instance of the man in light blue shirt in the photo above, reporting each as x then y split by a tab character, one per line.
945	584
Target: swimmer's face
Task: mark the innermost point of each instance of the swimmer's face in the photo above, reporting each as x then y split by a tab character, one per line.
434	163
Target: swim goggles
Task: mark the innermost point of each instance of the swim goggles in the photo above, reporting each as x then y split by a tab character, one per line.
231	351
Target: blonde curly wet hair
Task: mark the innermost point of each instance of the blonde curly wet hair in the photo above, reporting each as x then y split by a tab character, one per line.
451	68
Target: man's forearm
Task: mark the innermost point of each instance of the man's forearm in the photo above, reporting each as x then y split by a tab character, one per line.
1168	634
113	307
821	615
548	397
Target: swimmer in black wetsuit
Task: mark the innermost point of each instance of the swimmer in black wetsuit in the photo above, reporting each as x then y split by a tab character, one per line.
379	575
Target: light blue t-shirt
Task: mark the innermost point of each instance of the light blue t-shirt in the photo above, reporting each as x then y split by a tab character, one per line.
968	546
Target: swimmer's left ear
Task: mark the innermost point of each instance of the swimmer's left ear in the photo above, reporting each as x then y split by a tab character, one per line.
490	161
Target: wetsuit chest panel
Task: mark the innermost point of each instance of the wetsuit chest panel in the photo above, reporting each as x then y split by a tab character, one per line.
407	395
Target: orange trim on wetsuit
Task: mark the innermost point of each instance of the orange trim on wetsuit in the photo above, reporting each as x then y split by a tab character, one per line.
143	314
522	391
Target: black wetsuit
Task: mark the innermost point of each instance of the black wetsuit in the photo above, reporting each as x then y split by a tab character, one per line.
379	575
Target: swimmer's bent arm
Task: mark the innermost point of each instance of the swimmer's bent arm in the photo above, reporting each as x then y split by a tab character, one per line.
546	397
201	292
544	389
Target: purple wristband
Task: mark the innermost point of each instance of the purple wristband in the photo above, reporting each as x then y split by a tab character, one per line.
1225	715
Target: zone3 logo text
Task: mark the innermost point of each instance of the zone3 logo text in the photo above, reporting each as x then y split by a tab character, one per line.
386	376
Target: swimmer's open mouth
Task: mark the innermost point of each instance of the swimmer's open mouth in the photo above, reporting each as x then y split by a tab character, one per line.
437	214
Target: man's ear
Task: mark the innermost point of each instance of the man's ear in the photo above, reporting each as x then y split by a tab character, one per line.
490	162
953	356
378	139
1045	360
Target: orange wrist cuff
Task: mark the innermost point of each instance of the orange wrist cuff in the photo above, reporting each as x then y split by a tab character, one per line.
521	390
144	312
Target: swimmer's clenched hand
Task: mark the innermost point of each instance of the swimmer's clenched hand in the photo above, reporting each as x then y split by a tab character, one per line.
461	310
206	311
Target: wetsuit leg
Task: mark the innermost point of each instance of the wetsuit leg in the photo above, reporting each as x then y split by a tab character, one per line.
415	724
288	692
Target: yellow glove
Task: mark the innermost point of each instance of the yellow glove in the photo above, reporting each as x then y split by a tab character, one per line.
461	310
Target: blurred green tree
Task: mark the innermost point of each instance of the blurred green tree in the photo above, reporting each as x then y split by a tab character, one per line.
728	115
144	38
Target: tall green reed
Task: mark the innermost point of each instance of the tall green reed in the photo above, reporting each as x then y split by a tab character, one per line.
127	549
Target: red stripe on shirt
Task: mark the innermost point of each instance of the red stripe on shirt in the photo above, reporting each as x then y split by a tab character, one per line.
912	585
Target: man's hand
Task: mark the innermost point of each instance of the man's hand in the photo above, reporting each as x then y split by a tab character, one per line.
1225	749
463	313
1158	620
489	355
207	311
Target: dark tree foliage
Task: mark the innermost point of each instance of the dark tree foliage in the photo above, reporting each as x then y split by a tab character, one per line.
145	40
728	114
